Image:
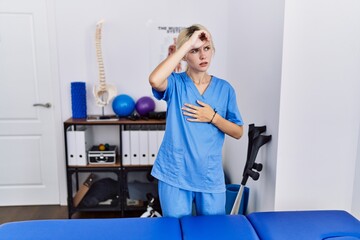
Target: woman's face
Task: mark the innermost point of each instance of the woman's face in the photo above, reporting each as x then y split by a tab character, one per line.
199	59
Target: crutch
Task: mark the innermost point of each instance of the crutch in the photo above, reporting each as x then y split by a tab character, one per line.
256	141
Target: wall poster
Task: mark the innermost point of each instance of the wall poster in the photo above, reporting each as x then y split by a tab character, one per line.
163	43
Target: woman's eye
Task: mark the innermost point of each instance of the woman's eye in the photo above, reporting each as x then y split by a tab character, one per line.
194	50
207	48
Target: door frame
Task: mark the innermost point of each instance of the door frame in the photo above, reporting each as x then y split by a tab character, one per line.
56	91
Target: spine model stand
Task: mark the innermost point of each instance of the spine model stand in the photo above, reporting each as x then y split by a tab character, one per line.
103	92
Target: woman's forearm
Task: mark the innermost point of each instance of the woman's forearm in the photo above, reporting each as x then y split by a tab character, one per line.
227	127
158	77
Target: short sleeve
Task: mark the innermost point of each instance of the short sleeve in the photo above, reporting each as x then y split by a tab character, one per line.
165	95
233	113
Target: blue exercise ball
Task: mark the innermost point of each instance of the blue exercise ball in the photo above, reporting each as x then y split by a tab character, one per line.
123	105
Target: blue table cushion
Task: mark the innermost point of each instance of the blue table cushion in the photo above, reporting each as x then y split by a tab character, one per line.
300	225
217	227
91	229
342	238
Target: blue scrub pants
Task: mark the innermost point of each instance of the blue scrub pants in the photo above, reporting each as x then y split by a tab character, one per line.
176	202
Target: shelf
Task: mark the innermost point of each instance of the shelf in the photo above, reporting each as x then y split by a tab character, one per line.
102	208
116	165
93	166
135	208
140	167
121	121
76	172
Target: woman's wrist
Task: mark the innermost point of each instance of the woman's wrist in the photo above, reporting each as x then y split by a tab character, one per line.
213	116
187	46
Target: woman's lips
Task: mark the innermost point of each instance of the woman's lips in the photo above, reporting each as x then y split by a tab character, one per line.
203	64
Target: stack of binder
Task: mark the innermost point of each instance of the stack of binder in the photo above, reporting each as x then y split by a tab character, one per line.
140	143
78	141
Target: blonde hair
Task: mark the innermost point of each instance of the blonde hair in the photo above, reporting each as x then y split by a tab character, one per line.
186	33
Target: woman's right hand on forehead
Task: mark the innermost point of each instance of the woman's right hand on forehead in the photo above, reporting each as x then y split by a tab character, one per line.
199	38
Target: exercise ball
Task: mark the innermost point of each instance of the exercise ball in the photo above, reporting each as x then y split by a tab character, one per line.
123	105
145	105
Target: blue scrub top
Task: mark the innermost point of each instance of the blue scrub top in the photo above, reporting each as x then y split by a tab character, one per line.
190	156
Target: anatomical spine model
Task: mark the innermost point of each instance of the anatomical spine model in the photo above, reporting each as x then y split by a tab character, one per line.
103	92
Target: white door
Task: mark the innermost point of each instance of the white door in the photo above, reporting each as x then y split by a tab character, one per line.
28	160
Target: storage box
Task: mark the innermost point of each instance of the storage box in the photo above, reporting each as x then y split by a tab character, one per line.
95	156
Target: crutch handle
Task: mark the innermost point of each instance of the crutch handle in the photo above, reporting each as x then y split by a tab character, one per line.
258	167
254	175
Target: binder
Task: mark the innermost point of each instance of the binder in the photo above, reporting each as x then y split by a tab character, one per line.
71	147
134	147
125	141
78	142
143	147
83	138
153	146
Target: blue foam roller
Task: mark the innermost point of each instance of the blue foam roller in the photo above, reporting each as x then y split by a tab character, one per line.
78	100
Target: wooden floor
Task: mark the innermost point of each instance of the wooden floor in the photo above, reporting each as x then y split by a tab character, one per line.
21	213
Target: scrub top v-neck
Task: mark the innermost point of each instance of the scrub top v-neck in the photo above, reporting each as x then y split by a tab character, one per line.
195	89
190	156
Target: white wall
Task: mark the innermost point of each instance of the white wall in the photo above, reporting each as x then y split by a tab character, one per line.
313	162
356	191
255	51
319	107
125	42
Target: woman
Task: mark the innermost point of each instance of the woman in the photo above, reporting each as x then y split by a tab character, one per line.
201	109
